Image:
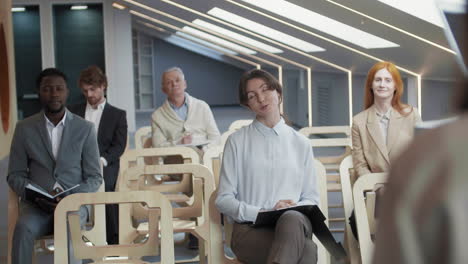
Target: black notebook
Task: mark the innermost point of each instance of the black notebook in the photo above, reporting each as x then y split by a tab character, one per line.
317	219
33	192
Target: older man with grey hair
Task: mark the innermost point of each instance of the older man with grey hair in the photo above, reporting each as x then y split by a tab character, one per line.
182	119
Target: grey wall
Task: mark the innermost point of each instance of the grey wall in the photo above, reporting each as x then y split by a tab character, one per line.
212	81
330	105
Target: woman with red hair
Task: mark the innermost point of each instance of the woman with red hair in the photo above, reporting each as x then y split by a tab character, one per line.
386	126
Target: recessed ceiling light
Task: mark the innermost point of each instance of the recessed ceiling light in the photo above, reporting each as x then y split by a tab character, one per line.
264	30
203	42
322	23
18	9
119	6
79	7
220	41
237	36
422	9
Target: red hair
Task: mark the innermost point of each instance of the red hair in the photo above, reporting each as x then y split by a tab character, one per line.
369	93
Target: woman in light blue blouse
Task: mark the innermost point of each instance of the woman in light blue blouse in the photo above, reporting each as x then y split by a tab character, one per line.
267	165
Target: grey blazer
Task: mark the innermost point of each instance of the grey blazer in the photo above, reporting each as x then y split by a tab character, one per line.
32	160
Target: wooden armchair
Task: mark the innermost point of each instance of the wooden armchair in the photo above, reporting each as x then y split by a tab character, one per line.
364	203
160	218
351	244
189	218
217	242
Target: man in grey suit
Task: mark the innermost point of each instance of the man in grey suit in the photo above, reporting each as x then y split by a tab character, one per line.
49	149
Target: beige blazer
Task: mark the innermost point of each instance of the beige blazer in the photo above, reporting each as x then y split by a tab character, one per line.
370	153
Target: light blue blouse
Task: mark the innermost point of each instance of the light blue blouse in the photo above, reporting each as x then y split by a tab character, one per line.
263	165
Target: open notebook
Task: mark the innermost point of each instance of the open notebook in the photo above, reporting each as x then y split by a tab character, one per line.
33	192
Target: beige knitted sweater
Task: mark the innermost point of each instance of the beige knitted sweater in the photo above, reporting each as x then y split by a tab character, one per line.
168	129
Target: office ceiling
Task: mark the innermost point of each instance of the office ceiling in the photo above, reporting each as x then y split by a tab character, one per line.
413	54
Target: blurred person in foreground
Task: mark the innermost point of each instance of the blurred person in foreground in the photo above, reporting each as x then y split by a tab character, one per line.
425	206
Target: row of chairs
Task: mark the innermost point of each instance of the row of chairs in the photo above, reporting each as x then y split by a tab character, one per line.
339	176
197	193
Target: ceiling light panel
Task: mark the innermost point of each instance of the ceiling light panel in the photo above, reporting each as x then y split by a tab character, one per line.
203	42
423	9
237	36
322	23
264	30
217	40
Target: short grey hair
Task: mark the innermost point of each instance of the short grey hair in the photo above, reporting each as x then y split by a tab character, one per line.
177	69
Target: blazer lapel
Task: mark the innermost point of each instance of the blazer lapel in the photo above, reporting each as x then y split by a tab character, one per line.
67	130
105	116
41	126
82	110
375	132
394	125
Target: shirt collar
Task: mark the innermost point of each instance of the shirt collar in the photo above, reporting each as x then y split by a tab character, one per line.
386	115
277	130
99	107
62	122
184	104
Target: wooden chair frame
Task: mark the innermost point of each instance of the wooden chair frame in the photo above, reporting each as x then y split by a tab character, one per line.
141	137
136	157
346	189
365	183
203	186
235	125
212	160
152	200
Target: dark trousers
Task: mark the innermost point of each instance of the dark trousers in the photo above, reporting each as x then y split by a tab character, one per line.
290	241
112	219
32	224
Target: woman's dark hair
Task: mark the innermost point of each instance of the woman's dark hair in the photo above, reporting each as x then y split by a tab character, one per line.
49	72
270	80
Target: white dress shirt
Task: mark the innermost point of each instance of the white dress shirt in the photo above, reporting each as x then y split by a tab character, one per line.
94	116
55	133
263	165
384	120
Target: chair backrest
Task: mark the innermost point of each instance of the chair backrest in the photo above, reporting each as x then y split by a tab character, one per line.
365	183
343	141
225	136
199	177
157	205
347	192
320	173
143	137
135	156
240	123
212	160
